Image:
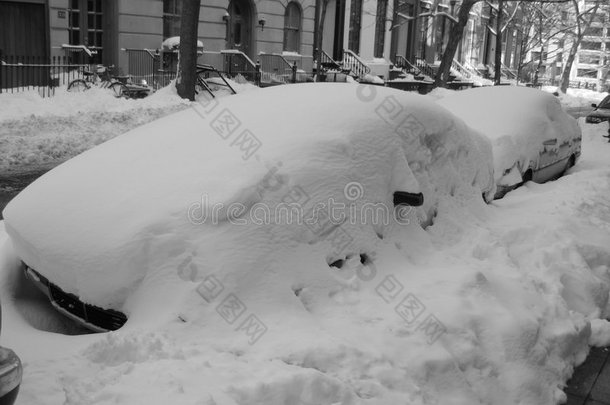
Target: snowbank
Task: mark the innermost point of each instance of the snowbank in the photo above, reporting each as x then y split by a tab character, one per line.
38	131
490	304
576	98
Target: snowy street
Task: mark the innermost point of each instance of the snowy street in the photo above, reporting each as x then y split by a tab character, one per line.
477	304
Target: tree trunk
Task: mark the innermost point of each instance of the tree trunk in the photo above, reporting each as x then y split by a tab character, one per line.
187	71
537	72
565	75
605	76
498	56
455	37
320	37
524	41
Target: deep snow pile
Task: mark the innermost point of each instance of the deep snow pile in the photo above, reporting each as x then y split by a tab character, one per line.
490	304
576	98
38	131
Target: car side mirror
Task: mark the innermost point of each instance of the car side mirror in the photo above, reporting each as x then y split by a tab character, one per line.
550	142
594	105
406	198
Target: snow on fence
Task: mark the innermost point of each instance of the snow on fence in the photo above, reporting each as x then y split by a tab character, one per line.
27	73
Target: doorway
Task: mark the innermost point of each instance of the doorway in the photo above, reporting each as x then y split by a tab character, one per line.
240	26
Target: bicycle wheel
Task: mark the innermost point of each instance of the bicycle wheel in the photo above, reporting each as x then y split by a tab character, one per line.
119	89
78	85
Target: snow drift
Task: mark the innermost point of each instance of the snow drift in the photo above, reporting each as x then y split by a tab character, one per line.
489	304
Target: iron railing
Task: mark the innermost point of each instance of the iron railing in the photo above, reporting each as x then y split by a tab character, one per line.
276	69
509	73
425	68
403	63
355	64
147	64
460	70
327	62
33	73
236	63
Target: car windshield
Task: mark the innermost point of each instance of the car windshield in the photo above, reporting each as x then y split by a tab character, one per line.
605	103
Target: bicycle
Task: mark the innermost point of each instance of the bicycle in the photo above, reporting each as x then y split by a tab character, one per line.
100	78
201	80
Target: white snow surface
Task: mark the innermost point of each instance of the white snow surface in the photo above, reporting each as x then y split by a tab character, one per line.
519	286
38	131
516	119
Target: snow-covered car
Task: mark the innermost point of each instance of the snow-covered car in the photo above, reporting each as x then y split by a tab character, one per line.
533	138
601	112
124	229
10	374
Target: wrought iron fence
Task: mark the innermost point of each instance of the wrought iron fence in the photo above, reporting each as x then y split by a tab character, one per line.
156	68
238	63
33	73
276	69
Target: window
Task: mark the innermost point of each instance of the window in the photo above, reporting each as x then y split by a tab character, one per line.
172	9
587	73
590	59
442	30
594	31
292	27
599	17
355	23
423	32
536	55
85	26
596	46
380	21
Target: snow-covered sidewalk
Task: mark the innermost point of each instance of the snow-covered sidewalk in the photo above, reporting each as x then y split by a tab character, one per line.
38	132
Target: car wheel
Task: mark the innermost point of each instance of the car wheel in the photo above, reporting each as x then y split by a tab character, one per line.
527	176
571	161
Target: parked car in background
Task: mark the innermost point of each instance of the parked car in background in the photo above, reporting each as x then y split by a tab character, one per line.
10	373
601	112
533	138
128	218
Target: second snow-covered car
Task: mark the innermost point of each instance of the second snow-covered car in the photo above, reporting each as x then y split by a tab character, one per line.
533	138
244	183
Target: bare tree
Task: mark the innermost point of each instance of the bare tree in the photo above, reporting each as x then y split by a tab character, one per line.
582	21
498	55
187	70
455	37
457	31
